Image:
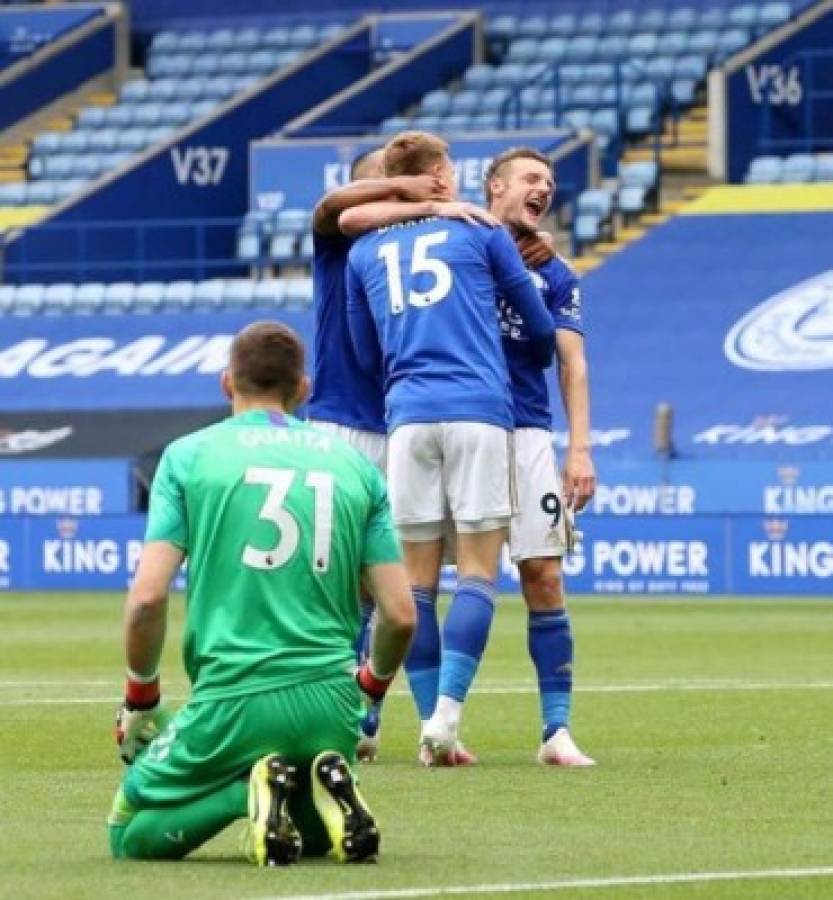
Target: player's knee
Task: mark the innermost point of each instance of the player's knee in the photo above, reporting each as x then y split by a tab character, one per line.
541	583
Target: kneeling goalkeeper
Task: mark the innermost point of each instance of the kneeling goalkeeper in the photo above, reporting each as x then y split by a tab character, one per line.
278	522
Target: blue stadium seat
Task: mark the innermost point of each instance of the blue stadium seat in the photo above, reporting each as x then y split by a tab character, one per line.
480	76
426	122
591	23
41	193
672	43
158	134
57	299
208	295
118	297
595	201
573	73
605	121
249	243
745	16
485	122
703	42
48	142
135	91
773	14
170	64
92	117
276	37
165	40
585	95
522	50
643	94
69	187
552	48
200	109
510	75
215	89
120	116
328	32
494	100
436	102
631	200
576	118
28	299
148	297
642	44
731	41
660	68
712	18
682	19
622	22
178	295
221	39
563	24
640	120
263	61
282	248
238	293
582	48
651	20
764	170
824	167
303	36
683	91
298	293
691	67
234	62
798	167
248	39
639	174
7	292
394	124
612	46
132	140
147	114
586	229
209	63
454	124
464	102
599	73
87	298
193	41
174	113
533	26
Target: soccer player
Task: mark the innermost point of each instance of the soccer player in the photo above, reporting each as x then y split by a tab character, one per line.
519	190
278	522
422	305
346	399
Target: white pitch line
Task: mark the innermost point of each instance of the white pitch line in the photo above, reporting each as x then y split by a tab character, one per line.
658	687
569	884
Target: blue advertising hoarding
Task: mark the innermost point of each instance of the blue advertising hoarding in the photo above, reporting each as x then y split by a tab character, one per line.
295	174
122	362
693	556
64	487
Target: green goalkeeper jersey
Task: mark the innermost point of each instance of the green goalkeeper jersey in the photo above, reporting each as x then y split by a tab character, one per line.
276	520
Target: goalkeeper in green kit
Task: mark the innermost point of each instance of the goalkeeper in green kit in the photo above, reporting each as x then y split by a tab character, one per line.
279	522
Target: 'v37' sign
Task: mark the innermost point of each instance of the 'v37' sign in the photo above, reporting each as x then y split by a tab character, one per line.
200	166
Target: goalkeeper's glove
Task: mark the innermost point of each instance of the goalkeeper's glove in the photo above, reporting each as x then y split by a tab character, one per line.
371	685
140	718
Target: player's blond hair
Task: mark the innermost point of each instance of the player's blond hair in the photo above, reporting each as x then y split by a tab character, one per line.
497	167
413	153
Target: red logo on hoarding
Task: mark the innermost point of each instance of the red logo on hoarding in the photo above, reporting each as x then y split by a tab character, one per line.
776	529
67	528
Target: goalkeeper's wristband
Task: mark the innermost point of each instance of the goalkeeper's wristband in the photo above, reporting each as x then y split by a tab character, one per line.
371	684
140	694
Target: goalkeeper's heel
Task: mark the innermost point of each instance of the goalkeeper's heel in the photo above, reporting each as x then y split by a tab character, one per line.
349	822
272	838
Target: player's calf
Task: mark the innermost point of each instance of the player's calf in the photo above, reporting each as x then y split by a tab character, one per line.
349	822
272	838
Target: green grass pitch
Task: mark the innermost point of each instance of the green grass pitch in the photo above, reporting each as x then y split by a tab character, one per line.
711	722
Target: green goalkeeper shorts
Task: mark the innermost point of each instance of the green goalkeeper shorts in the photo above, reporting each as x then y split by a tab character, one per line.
209	744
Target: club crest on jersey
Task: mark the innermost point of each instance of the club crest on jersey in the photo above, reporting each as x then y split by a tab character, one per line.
790	332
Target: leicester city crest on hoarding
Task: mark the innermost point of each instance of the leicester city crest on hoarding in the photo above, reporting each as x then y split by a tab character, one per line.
790	332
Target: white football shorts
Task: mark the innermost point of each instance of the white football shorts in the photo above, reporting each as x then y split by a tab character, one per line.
370	444
539	530
461	468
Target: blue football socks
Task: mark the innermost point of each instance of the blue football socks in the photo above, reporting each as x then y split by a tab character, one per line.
465	632
423	662
551	649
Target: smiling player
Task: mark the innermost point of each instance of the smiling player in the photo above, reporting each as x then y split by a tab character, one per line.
519	190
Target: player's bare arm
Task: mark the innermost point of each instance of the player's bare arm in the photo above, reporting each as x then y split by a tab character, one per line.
146	609
361	219
396	615
578	473
408	188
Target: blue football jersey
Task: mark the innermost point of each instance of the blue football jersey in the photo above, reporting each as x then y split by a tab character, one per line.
342	391
422	303
559	289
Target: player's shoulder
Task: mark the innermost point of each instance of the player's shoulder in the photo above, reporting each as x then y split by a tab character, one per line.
180	454
559	271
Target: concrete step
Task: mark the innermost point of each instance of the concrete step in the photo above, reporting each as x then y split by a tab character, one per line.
630	233
605	248
652	219
14	153
103	98
584	264
12	176
60	123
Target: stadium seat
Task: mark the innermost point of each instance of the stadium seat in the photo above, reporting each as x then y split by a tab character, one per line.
57	299
480	76
522	50
653	20
270	292
135	91
612	46
148	297
248	39
631	200
238	293
294	221
394	124
732	41
764	170
192	41
305	248
42	193
824	167
595	201
533	26
798	167
221	39
282	248
712	18
622	22
298	293
586	229
28	299
118	297
7	292
703	42
563	24
772	14
640	120
208	295
745	16
178	295
683	19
